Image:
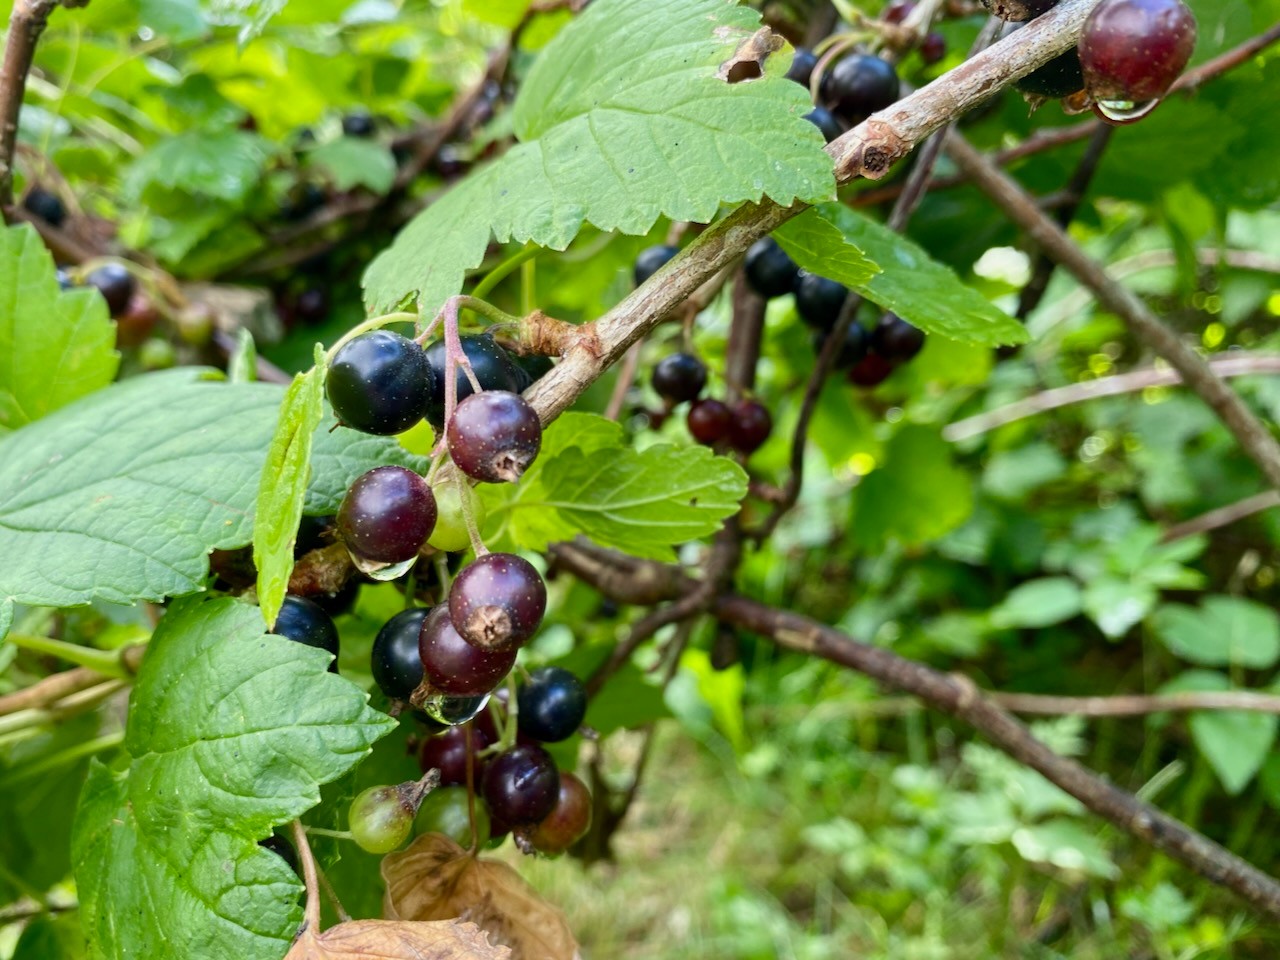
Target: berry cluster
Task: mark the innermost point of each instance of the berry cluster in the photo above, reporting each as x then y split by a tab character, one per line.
744	426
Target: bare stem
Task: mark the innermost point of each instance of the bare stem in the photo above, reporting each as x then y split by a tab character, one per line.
26	22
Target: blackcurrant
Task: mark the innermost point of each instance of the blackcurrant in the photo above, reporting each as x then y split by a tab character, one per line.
533	367
750	427
115	283
395	660
1133	50
46	205
819	300
568	821
521	785
1060	77
494	436
871	371
768	269
551	705
447	752
897	11
303	621
303	201
708	421
497	602
282	848
387	515
380	819
856	343
312	305
358	123
933	48
381	383
314	533
1019	9
895	339
802	64
456	667
492	366
679	377
858	86
447	810
825	121
651	260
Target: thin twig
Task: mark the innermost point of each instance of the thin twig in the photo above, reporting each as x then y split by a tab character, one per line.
1222	516
26	23
626	380
1135	705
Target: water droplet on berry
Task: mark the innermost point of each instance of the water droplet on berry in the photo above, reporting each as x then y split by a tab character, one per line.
452	711
383	571
1124	111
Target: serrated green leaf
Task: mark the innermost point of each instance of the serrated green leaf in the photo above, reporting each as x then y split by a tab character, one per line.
918	495
1235	742
1116	605
225	164
909	282
1039	603
121	495
817	245
622	120
353	162
1066	844
231	732
1223	631
283	488
6	616
55	345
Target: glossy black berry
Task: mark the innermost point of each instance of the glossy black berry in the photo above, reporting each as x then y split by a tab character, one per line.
447	752
857	341
358	124
387	515
521	786
395	661
1060	77
497	602
303	201
315	533
282	848
858	86
493	367
896	340
380	383
531	368
302	621
802	64
768	269
47	206
750	427
651	260
551	705
494	436
456	667
708	421
679	377
819	300
825	121
115	283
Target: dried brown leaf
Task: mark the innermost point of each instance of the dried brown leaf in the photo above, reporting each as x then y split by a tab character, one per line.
435	879
385	940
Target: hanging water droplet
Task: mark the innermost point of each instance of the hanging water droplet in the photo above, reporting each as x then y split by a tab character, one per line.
383	571
453	710
1123	111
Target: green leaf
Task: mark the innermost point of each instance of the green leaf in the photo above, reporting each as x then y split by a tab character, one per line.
916	496
1116	605
225	164
121	495
1223	631
1066	844
1039	603
231	732
622	120
283	487
55	345
1235	742
586	480
6	616
909	282
352	162
817	244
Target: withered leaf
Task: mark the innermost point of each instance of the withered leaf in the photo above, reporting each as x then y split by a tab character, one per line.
386	940
435	879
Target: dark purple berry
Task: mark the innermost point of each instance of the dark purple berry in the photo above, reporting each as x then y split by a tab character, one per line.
933	48
380	383
858	86
395	660
115	283
768	269
358	123
46	205
897	11
895	339
447	752
551	705
819	300
825	121
493	367
387	515
856	343
494	436
871	371
312	305
1133	50
1060	77
497	602
802	64
522	785
302	621
651	260
456	667
708	421
750	427
679	377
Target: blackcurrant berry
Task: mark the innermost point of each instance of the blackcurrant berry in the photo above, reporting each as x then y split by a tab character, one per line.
858	86
447	810
115	283
568	821
819	300
825	121
380	383
312	305
551	705
395	660
897	11
303	201
768	269
358	123
1019	9
447	752
387	515
708	421
380	819
533	367
522	785
1133	50
750	427
282	848
1060	77
303	621
856	343
679	377
871	371
47	206
491	364
494	436
933	48
895	339
497	602
456	667
802	64
314	533
651	260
